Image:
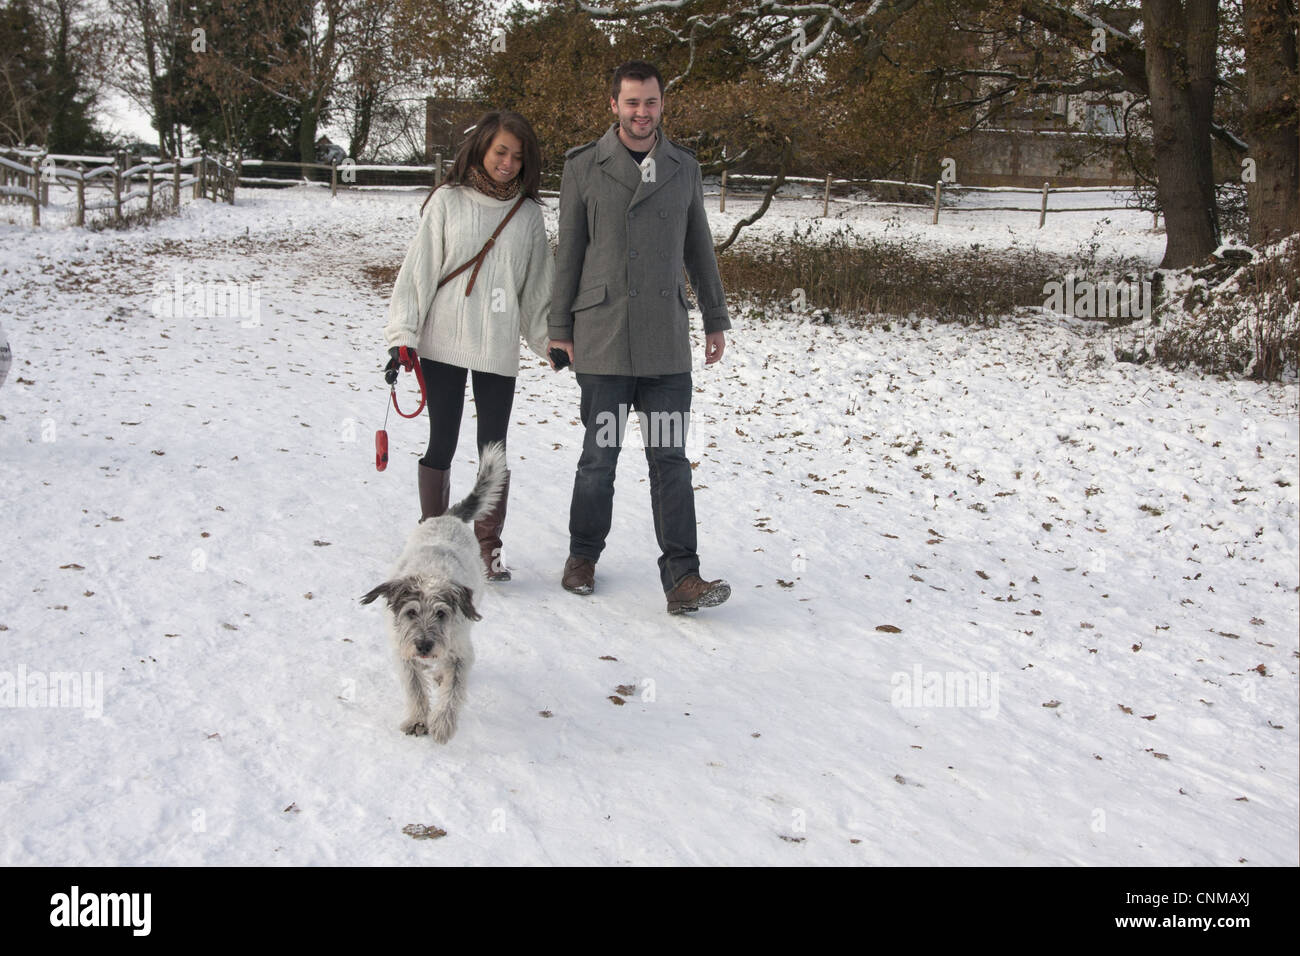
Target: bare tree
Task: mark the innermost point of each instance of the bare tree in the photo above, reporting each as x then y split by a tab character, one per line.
152	39
370	74
308	76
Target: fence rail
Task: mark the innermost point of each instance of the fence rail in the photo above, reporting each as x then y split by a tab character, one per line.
26	176
345	174
217	179
938	189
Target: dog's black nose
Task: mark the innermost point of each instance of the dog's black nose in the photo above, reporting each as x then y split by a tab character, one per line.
424	646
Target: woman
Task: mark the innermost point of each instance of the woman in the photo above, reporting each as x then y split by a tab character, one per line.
474	321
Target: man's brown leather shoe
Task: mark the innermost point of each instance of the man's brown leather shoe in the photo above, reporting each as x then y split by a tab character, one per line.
579	575
693	593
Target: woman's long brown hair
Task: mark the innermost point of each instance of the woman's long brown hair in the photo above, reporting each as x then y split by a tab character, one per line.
475	147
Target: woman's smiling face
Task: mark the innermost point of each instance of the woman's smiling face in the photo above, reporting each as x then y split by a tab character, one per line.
504	157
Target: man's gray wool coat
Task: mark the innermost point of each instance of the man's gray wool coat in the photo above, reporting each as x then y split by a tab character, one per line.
624	236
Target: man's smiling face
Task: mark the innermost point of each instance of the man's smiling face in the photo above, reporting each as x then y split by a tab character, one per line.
639	108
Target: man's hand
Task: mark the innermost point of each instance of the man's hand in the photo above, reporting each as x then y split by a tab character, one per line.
714	345
566	346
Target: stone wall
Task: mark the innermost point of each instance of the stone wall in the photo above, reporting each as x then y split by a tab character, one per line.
1027	158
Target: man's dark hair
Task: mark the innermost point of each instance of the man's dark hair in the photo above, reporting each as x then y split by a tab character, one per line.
634	70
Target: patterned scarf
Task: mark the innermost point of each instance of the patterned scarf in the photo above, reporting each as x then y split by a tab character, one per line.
488	186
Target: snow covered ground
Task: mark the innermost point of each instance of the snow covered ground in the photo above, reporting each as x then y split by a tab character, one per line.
998	599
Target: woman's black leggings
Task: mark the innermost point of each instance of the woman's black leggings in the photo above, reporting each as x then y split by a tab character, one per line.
444	388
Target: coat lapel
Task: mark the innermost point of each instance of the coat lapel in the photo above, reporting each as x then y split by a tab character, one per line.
665	167
614	159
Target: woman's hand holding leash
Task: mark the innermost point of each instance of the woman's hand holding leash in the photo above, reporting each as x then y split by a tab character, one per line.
399	358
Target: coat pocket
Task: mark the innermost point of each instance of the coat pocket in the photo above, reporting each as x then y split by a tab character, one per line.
585	299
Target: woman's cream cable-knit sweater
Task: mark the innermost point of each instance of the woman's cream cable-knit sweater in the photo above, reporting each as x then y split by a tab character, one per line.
512	294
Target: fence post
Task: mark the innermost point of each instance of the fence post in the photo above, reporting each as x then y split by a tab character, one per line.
722	193
334	178
938	191
826	197
176	182
200	183
34	181
437	169
148	203
45	186
81	197
118	165
1042	213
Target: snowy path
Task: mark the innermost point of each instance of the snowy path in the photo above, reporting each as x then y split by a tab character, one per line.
1108	553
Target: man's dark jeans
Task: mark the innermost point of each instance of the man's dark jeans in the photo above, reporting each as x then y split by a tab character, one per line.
663	404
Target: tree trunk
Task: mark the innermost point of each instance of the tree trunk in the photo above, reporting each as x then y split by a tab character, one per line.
307	134
362	120
1180	48
1272	123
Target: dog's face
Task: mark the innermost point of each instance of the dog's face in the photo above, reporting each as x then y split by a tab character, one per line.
423	612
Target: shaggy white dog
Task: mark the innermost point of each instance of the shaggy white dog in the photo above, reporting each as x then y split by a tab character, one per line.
430	597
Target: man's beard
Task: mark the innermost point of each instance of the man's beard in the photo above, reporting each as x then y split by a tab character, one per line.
630	129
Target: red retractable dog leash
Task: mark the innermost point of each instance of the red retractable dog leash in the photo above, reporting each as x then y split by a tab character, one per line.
408	360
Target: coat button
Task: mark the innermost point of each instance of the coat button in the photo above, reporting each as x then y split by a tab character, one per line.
632	254
631	292
664	293
663	214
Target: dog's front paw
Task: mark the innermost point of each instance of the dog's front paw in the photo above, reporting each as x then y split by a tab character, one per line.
443	726
415	726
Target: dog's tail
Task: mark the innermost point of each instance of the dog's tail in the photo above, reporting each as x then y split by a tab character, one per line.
487	490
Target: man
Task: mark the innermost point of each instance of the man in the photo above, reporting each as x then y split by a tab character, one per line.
631	216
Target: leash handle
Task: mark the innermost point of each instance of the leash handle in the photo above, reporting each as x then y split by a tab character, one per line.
409	360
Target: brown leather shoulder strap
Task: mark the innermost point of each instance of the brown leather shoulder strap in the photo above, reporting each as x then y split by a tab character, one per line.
477	261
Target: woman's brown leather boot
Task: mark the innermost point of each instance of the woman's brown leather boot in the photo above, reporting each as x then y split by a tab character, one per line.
435	491
488	531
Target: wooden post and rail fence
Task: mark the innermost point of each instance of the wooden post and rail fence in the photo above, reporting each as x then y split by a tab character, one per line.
26	176
109	183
